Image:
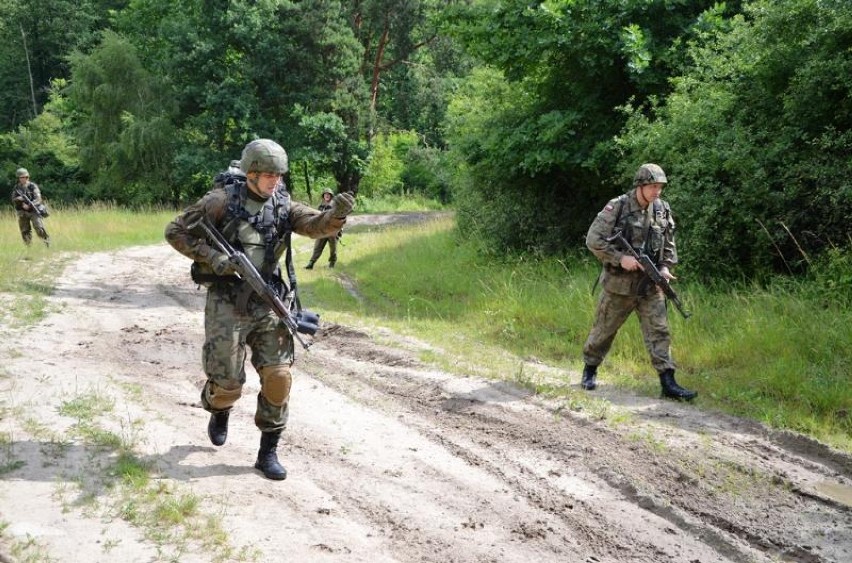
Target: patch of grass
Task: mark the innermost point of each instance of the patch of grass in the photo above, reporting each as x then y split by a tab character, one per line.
28	274
773	354
87	406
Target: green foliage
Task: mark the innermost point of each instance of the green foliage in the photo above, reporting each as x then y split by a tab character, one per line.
50	30
387	163
427	173
756	139
536	127
46	147
124	124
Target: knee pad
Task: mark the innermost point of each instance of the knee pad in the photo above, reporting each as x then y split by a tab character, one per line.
275	384
221	398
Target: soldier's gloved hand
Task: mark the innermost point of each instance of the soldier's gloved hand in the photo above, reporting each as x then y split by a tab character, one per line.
342	205
222	265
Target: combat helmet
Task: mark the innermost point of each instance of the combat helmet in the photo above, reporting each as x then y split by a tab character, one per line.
327	191
649	174
21	172
264	155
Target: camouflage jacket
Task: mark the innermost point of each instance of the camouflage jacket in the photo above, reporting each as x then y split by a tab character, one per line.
300	219
649	230
31	191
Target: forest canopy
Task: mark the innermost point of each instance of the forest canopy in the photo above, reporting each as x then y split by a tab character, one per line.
526	117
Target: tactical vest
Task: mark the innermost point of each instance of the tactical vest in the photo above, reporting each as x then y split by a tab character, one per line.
633	227
272	222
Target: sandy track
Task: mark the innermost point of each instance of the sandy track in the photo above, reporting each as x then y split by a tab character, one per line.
389	459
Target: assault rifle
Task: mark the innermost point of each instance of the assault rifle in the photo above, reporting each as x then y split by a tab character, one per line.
246	270
40	209
651	271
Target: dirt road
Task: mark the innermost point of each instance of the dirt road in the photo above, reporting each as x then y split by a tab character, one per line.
389	459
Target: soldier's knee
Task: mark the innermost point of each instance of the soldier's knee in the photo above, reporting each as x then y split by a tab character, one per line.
221	398
275	382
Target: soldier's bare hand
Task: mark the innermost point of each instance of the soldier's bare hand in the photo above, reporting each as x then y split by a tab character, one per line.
667	274
630	263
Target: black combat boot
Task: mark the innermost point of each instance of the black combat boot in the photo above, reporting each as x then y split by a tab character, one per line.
672	390
331	264
217	428
310	266
267	459
589	373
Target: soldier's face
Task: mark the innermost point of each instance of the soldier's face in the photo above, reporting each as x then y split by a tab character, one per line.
263	183
650	192
23	180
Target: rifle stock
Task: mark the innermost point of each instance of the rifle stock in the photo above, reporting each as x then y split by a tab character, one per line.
246	270
652	272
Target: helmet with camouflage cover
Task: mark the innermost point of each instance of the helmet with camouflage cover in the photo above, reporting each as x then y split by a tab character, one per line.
328	191
649	174
264	155
21	172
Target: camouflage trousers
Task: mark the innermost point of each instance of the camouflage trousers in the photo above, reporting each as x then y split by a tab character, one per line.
27	222
612	312
319	246
227	333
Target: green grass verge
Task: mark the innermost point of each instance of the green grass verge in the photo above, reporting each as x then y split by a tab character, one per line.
776	355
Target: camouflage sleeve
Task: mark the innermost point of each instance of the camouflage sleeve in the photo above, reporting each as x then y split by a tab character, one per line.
36	194
669	248
313	223
602	228
192	242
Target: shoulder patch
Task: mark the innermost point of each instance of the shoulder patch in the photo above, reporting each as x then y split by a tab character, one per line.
609	207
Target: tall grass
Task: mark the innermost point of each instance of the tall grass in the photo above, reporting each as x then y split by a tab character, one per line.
27	274
776	355
781	355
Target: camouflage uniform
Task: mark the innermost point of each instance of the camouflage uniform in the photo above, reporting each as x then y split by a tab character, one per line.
234	316
28	219
320	243
649	230
625	291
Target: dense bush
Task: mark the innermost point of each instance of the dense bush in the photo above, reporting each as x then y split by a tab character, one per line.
757	140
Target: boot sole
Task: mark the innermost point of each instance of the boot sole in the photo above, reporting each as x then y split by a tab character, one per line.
677	397
272	476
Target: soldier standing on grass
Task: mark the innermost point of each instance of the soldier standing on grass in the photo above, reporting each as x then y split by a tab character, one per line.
646	222
256	216
320	243
29	216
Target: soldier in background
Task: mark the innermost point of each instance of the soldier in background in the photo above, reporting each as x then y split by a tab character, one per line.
647	223
255	214
320	243
26	197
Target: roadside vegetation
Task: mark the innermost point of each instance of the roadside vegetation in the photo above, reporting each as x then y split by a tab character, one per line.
780	354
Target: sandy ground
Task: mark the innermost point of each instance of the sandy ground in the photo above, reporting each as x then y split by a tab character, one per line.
389	459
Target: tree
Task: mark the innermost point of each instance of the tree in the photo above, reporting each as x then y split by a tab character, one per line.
758	137
124	124
565	66
51	29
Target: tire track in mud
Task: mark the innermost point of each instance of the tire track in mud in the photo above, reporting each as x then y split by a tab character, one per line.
621	498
